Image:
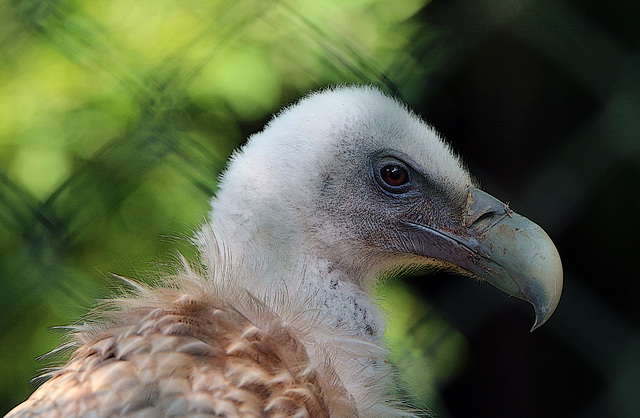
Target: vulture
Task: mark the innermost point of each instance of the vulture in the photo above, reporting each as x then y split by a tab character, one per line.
275	317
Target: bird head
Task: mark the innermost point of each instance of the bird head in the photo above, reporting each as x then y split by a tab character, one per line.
351	176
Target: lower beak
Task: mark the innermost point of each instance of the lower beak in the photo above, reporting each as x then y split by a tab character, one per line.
499	246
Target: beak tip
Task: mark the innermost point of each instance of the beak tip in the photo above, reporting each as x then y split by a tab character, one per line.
549	294
542	316
546	298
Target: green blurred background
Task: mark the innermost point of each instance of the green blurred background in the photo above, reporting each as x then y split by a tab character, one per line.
117	115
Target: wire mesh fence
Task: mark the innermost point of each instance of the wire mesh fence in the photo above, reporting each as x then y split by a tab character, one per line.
117	116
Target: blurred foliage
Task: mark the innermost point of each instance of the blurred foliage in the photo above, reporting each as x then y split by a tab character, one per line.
116	117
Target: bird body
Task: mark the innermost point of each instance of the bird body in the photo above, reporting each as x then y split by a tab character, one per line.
188	357
276	317
203	344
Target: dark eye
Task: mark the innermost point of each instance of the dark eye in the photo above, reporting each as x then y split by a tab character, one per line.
394	175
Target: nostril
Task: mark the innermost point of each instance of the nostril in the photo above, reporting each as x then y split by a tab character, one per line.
482	219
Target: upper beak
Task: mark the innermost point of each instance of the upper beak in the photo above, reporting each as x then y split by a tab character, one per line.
500	246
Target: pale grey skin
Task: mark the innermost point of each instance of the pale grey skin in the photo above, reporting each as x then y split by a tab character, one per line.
304	225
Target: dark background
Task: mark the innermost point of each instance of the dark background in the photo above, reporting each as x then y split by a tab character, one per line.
115	118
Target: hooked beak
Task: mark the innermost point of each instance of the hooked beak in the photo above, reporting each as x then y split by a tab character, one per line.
499	246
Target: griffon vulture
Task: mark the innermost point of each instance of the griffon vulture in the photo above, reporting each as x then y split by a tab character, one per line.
276	318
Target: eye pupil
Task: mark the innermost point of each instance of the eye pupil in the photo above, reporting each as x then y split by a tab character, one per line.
394	175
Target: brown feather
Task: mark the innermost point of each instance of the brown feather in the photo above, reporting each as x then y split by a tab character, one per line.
191	357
